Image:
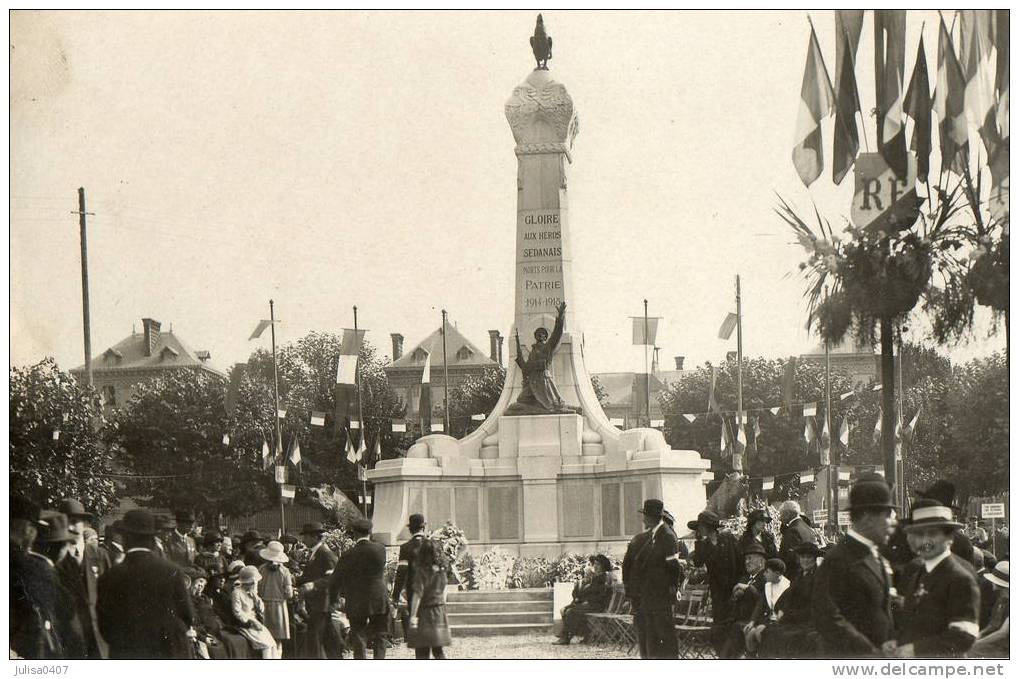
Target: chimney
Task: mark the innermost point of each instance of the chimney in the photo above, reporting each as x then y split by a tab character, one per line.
495	346
151	330
679	362
397	345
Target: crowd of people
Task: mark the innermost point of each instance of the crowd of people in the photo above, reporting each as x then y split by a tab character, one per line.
149	590
915	587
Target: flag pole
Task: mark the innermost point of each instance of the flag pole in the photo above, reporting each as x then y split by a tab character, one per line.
833	488
360	418
647	374
900	463
739	359
276	399
445	378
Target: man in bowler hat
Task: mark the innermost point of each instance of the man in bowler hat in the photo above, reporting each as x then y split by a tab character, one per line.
179	546
80	570
719	553
321	640
144	607
405	563
651	570
359	578
852	602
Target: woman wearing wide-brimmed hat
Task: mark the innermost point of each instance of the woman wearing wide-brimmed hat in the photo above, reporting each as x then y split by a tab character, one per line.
942	598
276	589
757	531
248	610
993	642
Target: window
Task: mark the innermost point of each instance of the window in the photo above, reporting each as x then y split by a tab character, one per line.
464	354
109	394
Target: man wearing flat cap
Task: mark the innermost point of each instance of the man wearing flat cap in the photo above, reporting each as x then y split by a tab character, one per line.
360	579
852	601
719	553
942	598
651	570
179	546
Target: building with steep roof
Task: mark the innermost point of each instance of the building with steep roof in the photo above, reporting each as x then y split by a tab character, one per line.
139	358
465	359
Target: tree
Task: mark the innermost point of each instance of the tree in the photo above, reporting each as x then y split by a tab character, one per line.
171	436
476	394
44	400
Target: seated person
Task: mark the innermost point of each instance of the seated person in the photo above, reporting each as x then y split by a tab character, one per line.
766	612
792	635
729	640
220	641
590	595
993	640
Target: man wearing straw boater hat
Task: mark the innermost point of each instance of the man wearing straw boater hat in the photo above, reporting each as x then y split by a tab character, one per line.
852	607
144	607
942	598
651	570
321	642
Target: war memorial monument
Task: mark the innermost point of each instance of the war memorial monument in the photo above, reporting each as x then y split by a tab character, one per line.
546	472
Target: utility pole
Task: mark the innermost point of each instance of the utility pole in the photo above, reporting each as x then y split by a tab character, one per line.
276	415
647	372
445	377
84	286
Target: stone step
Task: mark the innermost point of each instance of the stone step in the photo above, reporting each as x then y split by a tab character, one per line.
530	606
536	618
484	630
477	595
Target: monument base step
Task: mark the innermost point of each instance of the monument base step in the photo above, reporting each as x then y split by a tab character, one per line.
499	629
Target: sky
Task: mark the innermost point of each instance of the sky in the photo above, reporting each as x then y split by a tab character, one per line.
331	159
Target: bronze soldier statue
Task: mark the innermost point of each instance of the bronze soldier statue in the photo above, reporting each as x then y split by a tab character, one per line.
540	395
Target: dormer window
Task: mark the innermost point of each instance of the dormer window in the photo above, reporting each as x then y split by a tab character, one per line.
419	355
111	355
464	354
168	353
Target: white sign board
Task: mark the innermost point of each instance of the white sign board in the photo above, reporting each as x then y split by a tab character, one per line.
819	516
879	193
995	510
844	519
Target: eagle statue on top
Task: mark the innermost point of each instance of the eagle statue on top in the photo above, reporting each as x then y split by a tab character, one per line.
541	45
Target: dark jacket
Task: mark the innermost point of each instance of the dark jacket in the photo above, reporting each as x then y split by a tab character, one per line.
593	594
794	533
360	578
941	608
317	572
81	581
852	610
765	539
795	604
37	597
405	566
651	569
724	562
145	609
743	603
181	550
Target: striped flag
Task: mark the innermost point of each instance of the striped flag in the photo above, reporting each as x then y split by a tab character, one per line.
728	325
877	426
281	474
979	94
361	449
377	450
690	417
817	102
399	426
351	452
950	101
259	329
346	362
774	411
844	432
918	107
425	402
889	69
480	417
847	135
638	330
911	427
295	452
360	474
809	409
848	394
808	430
287	491
768	483
266	456
806	477
825	443
318	418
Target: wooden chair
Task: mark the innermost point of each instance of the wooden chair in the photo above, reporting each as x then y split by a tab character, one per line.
694	623
602	627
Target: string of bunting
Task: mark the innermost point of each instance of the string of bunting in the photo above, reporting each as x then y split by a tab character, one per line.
809	409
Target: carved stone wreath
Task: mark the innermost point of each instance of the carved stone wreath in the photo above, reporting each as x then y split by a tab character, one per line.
550	103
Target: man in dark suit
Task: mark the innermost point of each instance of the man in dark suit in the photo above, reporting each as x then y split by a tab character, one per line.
113	545
651	570
405	564
852	603
144	606
944	492
719	552
359	578
79	571
728	634
321	640
793	635
795	531
179	546
942	598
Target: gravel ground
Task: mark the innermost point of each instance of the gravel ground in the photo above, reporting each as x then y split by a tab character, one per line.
517	647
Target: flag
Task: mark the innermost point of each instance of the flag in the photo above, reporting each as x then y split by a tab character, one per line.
318	418
817	102
351	452
295	452
226	439
768	483
848	24
737	461
346	362
657	424
728	325
911	427
361	449
1001	96
638	330
876	387
425	402
236	377
259	329
877	427
844	432
741	436
360	477
809	409
949	101
848	394
809	431
774	411
399	426
789	382
712	402
355	424
377	450
278	457
281	474
479	417
889	72
918	107
825	442
690	417
843	477
757	429
723	442
266	456
847	103
976	54
281	413
438	426
56	434
287	491
806	477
